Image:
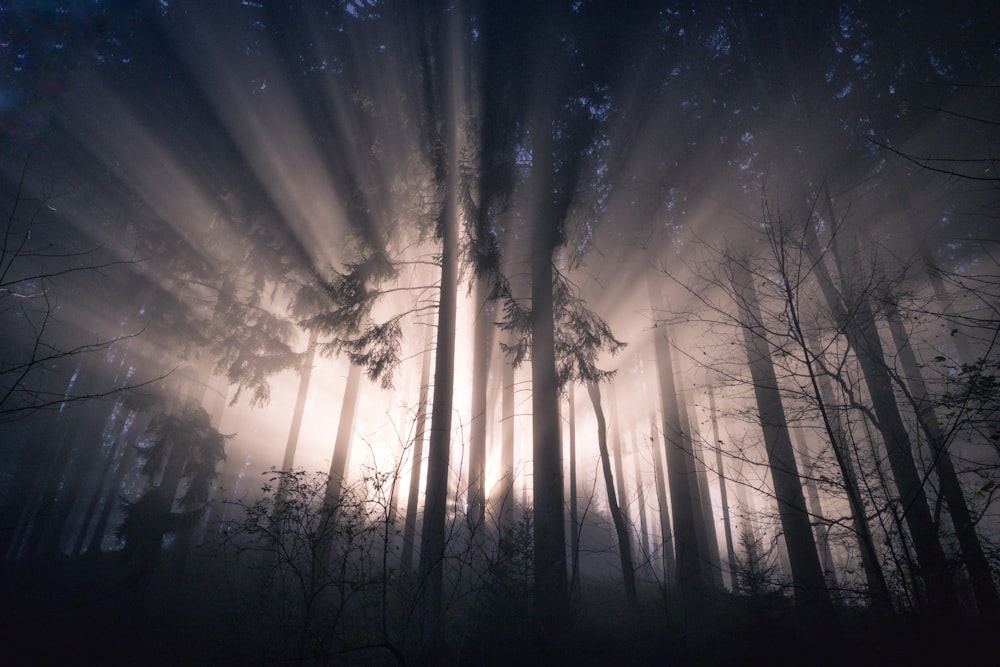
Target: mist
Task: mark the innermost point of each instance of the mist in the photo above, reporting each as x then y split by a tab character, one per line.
496	333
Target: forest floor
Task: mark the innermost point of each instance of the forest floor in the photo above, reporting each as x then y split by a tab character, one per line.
63	614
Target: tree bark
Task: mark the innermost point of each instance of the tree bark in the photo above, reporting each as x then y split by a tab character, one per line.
481	340
345	432
858	323
667	558
417	461
621	527
574	526
432	539
724	497
807	574
680	471
951	488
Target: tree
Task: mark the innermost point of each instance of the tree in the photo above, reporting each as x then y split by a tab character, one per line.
807	574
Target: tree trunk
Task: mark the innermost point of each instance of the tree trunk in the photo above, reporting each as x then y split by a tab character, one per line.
724	498
708	540
481	343
641	498
862	336
345	433
505	494
432	539
822	391
305	375
951	488
807	574
574	526
667	557
621	527
680	471
416	464
616	452
815	507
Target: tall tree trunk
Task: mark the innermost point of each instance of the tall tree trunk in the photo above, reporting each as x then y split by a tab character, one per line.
724	497
574	526
417	460
345	433
667	557
807	574
815	507
641	497
708	540
432	538
862	336
305	375
621	527
680	471
481	354
822	392
505	494
616	452
951	488
550	585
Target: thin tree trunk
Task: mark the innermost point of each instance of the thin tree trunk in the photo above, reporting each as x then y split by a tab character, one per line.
951	488
481	339
641	497
621	528
862	336
345	433
708	540
506	492
822	392
305	375
416	464
815	507
667	557
724	498
574	526
616	451
807	574
680	472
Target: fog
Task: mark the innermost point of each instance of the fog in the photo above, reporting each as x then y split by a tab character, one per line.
304	310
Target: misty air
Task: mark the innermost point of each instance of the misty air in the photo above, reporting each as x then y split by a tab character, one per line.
375	332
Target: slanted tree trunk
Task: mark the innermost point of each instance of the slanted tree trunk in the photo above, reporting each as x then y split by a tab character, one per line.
858	323
807	574
345	432
815	507
416	463
667	557
708	541
621	526
305	376
823	394
640	491
681	477
724	497
951	488
616	451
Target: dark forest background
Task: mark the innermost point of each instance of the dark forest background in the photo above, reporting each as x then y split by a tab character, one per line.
488	333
